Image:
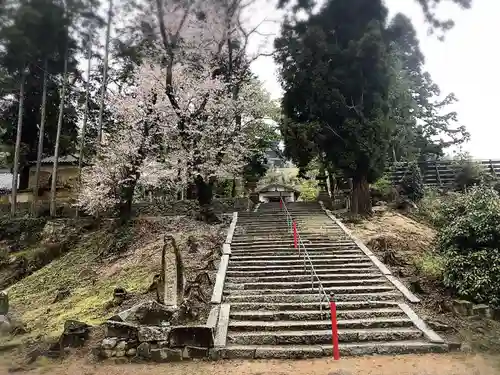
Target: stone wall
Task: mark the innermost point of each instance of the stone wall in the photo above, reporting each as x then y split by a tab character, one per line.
145	332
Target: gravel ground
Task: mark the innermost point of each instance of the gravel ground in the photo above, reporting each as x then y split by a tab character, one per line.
452	364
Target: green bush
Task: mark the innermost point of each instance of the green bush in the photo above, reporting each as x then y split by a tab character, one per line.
467	173
412	183
469	239
430	205
431	265
309	190
382	189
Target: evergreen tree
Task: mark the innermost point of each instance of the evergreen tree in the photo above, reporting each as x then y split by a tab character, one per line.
334	71
422	127
37	36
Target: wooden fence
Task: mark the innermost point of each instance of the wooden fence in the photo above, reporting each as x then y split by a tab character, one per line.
440	173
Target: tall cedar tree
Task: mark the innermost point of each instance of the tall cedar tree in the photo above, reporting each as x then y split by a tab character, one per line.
428	8
334	72
38	31
423	127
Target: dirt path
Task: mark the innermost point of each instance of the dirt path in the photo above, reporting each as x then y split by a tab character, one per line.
453	364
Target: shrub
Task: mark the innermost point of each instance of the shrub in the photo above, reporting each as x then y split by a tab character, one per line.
309	190
469	238
412	183
431	265
382	189
430	205
468	173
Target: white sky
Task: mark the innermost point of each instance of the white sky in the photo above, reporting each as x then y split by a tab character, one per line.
466	63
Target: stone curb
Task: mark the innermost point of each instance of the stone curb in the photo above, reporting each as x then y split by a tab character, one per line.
382	267
224	261
232	227
420	324
222	326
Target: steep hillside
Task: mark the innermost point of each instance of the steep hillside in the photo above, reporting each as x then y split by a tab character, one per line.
78	280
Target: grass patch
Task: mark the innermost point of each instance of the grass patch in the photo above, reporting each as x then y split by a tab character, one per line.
430	265
80	271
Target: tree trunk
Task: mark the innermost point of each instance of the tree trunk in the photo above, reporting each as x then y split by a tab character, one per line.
15	171
41	132
104	73
85	114
126	197
204	192
58	138
360	199
233	188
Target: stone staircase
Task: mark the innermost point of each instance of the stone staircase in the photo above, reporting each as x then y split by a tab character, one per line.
271	311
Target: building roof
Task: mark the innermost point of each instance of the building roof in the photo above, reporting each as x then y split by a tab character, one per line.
273	187
5	179
65	159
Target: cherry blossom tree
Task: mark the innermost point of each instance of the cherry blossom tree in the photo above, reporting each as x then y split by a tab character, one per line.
192	111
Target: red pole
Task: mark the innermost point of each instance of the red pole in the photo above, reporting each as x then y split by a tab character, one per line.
295	237
335	335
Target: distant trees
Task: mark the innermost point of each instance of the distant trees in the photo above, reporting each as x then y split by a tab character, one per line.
39	41
422	127
356	95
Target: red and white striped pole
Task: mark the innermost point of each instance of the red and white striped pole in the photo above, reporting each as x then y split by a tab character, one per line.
335	334
295	236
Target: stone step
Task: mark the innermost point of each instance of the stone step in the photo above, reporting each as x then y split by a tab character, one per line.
285	257
302	277
325	324
334	246
316	351
366	264
312	306
291	252
312	297
300	271
283	262
284	241
335	240
289	244
291	249
291	285
311	337
303	315
306	289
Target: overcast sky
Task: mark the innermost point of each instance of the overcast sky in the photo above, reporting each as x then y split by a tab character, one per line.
466	63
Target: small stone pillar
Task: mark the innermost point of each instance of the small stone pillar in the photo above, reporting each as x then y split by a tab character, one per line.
4	303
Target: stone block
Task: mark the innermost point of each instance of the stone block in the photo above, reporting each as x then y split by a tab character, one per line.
4	303
454	345
198	336
5	325
131	352
194	352
144	350
461	307
147	313
109	343
148	334
121	330
482	311
75	334
495	313
166	355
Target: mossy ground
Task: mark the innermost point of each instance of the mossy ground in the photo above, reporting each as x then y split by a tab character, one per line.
99	261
